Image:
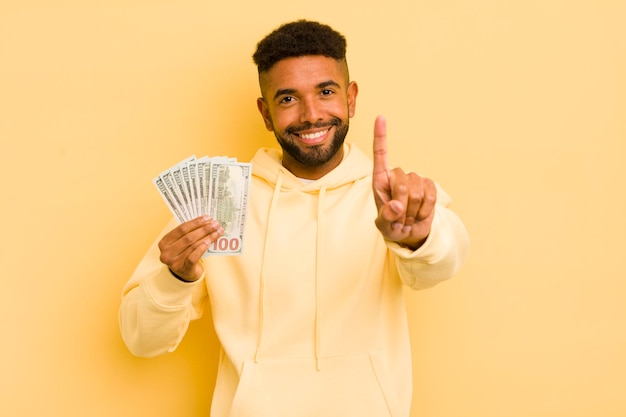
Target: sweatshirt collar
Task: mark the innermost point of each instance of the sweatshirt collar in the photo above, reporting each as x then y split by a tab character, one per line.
267	164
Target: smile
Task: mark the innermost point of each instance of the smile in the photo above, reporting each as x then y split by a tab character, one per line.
313	137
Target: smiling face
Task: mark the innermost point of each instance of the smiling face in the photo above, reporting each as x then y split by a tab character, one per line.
307	102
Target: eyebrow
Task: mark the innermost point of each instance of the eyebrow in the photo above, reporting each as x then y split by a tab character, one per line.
320	86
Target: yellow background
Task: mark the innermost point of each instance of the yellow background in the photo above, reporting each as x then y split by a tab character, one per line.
518	108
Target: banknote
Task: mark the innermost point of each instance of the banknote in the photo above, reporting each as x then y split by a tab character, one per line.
229	184
173	195
214	186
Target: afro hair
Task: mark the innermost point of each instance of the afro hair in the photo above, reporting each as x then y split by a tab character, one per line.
299	38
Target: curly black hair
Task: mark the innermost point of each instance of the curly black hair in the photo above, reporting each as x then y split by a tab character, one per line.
299	38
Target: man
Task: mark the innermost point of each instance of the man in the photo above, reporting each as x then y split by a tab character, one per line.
311	317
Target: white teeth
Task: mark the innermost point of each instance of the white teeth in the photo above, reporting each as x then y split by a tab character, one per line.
315	135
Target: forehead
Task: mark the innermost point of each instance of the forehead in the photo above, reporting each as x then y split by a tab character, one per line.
303	72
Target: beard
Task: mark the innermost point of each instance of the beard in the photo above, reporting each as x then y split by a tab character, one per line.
318	154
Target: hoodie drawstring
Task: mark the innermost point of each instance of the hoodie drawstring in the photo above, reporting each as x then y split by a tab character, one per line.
279	182
318	257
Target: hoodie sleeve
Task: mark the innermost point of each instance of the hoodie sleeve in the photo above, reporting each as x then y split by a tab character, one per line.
157	307
442	254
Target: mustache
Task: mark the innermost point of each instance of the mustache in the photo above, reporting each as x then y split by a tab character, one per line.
308	125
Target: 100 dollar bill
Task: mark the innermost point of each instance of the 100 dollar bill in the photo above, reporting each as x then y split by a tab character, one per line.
229	184
217	187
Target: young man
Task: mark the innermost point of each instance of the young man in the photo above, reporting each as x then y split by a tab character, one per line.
311	317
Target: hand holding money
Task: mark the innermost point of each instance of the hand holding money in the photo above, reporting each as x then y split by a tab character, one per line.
182	248
213	189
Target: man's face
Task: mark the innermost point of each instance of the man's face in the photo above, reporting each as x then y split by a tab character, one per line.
307	102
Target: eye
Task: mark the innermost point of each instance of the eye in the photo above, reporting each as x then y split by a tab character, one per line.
327	92
286	100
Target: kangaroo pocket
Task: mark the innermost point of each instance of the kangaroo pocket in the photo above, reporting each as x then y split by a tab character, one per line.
345	386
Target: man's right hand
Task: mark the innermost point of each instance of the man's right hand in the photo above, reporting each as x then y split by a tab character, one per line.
183	247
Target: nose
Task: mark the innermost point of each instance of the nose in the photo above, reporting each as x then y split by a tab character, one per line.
311	110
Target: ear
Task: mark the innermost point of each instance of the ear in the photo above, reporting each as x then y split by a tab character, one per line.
353	91
265	113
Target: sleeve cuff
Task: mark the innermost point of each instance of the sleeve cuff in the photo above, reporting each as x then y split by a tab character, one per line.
167	291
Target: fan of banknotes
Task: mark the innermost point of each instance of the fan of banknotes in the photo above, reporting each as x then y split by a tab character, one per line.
217	187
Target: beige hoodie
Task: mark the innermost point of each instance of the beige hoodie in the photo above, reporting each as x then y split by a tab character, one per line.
311	317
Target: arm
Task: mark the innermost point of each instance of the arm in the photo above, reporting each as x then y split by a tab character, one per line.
156	306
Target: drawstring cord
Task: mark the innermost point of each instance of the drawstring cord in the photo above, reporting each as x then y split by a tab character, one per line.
279	182
318	257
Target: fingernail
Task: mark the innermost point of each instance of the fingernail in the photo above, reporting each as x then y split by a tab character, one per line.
396	206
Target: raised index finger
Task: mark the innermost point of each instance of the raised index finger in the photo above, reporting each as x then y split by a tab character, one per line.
380	147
